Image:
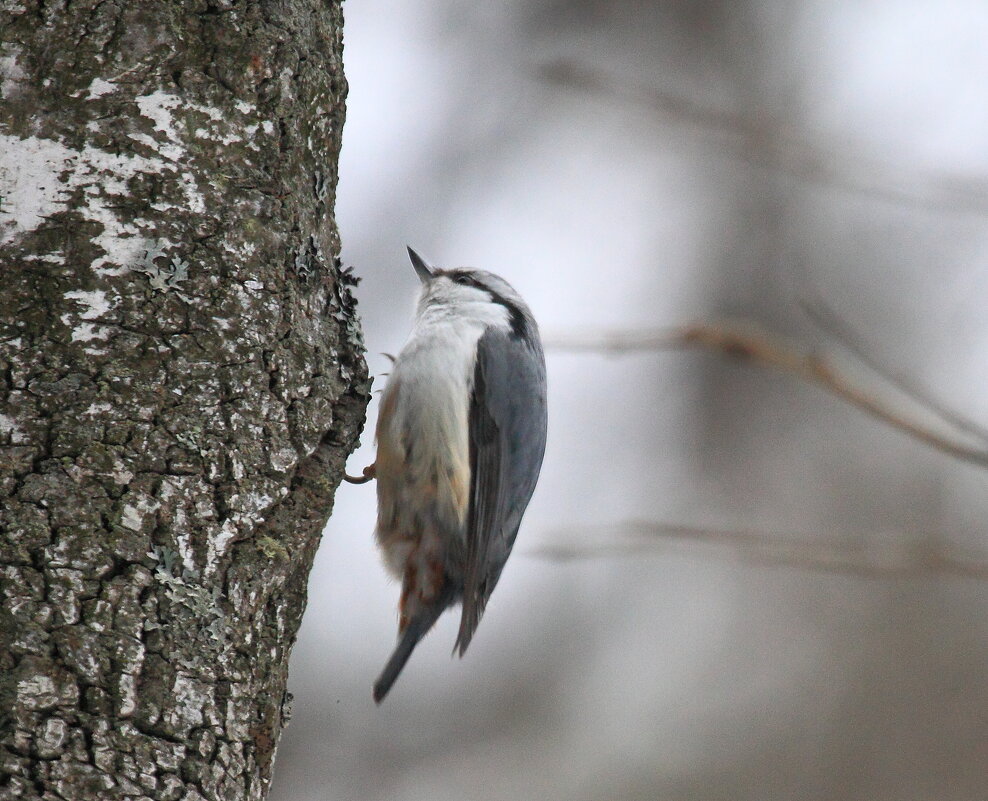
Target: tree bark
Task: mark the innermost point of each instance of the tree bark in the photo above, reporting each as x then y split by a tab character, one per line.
182	380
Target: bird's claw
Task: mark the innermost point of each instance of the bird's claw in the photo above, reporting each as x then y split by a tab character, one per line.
369	473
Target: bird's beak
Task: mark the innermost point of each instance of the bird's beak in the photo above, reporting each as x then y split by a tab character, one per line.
421	266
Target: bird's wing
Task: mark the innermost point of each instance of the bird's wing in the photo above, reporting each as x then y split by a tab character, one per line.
507	426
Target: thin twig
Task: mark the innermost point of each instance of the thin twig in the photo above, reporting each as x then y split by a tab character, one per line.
844	557
750	344
832	324
768	144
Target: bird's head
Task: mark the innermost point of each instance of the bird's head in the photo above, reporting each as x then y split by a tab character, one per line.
475	293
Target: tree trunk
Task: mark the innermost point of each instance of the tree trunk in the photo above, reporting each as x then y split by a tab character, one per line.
182	377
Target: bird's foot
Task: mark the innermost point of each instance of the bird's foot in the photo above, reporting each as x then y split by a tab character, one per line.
370	472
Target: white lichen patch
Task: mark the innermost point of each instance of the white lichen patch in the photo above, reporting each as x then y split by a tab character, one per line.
224	138
87	332
217	544
48	258
37	692
127	691
182	488
284	459
30	184
95	302
37	177
159	107
121	241
248	507
95	305
193	698
133	514
239	249
98	87
51	740
121	475
213	113
163	273
9	428
131	518
145	139
193	601
11	74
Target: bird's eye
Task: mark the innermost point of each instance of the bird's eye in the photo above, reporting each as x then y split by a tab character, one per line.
460	278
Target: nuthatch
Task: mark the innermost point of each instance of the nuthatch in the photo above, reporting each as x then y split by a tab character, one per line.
460	438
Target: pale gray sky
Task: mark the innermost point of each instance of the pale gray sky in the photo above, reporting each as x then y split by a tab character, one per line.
833	147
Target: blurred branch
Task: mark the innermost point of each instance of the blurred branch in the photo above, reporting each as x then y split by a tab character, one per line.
766	143
830	323
871	559
748	343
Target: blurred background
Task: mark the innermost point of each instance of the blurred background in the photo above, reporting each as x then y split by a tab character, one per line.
666	627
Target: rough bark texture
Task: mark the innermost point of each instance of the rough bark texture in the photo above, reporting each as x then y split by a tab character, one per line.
182	379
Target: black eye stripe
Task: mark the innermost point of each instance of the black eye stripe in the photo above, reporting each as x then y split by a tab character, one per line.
519	326
467	280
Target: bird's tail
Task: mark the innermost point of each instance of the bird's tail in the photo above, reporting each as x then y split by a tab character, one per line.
416	629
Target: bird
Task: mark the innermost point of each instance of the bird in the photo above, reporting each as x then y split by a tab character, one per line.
461	435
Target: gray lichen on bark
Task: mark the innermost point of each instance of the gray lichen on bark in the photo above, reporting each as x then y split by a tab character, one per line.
182	379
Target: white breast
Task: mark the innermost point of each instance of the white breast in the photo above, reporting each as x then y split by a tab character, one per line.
423	457
435	371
